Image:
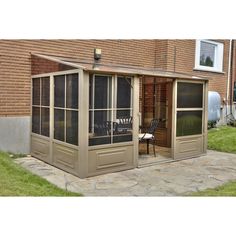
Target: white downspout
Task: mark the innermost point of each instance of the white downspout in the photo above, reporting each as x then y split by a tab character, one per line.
228	76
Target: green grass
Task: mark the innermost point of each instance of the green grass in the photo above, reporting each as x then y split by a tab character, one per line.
228	189
222	139
16	181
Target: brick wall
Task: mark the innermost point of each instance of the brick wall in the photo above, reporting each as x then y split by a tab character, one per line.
15	63
171	55
40	66
161	47
181	58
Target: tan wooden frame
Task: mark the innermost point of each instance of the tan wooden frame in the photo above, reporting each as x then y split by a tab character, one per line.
82	167
113	109
87	157
190	139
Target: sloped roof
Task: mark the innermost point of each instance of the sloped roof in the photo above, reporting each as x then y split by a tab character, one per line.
117	69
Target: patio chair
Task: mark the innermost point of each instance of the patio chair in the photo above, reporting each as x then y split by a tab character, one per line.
111	123
105	128
125	124
149	135
101	129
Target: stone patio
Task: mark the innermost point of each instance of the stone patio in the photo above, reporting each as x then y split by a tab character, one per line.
167	179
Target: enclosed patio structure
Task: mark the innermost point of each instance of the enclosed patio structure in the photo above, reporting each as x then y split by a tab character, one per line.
86	116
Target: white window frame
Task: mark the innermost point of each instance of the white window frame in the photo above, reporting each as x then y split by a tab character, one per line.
218	59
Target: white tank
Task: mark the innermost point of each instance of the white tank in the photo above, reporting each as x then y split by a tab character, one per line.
214	103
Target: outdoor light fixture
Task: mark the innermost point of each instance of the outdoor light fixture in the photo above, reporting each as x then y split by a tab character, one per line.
97	53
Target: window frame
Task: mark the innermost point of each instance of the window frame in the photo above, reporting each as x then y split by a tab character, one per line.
112	109
40	106
51	102
218	58
65	109
179	109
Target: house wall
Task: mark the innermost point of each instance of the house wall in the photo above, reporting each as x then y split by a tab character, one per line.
15	62
15	65
170	55
15	134
15	71
41	66
161	47
181	58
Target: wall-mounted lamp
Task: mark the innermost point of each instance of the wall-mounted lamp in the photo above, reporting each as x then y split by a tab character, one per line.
97	53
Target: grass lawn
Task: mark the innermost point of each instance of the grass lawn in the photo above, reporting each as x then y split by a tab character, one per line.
221	139
228	189
16	181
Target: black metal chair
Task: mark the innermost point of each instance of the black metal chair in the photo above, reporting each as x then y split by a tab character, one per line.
149	135
111	125
105	128
125	124
101	129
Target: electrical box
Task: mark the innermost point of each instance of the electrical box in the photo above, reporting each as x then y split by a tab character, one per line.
97	53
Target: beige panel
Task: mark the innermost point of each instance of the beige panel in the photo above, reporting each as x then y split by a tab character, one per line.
110	160
174	104
205	117
65	157
189	147
136	121
40	148
83	123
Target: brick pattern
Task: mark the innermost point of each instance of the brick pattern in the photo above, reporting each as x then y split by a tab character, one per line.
170	55
40	66
149	84
161	55
15	63
181	58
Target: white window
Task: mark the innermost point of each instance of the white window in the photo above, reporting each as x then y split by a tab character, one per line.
209	55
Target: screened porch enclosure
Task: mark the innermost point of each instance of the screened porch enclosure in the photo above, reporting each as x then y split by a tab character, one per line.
83	121
86	119
180	106
55	113
156	103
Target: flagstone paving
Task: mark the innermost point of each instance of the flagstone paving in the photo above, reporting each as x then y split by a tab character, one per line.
169	179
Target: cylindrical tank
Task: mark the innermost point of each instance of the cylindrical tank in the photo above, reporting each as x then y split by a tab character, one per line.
214	103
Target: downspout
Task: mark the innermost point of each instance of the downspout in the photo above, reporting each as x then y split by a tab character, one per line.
228	75
231	77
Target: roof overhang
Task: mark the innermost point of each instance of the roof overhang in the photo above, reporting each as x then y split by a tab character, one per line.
117	69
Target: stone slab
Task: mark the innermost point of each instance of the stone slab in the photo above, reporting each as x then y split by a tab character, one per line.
168	179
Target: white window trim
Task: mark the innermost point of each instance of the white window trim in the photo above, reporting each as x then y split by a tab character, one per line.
218	60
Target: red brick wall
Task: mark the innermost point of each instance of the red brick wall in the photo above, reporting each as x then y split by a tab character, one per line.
161	47
181	58
15	61
172	55
40	66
